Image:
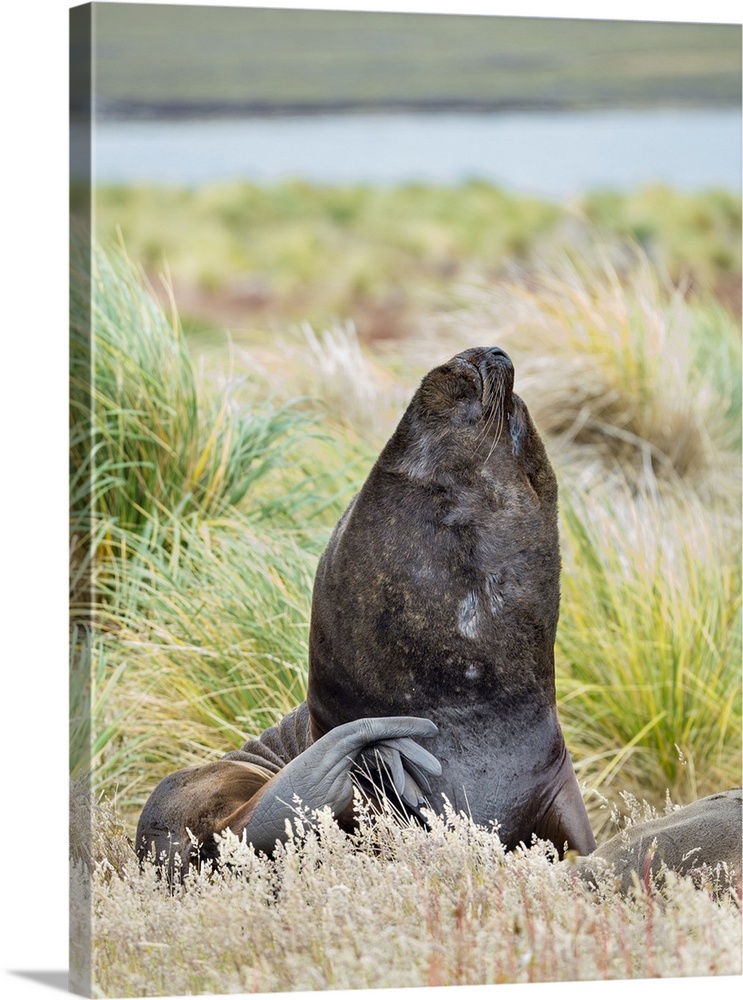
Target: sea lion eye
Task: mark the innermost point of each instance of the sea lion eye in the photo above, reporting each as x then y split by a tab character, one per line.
454	384
446	394
463	385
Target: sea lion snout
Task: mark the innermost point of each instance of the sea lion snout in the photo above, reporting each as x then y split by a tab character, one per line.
497	374
496	355
491	378
488	361
484	355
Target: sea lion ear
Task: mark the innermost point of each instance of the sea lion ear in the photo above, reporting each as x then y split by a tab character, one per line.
518	429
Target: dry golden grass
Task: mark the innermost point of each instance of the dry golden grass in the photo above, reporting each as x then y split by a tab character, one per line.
393	907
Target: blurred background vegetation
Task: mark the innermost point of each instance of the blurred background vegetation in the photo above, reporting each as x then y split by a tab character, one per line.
254	345
260	257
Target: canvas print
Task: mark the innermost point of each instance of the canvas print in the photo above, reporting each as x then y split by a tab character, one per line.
405	480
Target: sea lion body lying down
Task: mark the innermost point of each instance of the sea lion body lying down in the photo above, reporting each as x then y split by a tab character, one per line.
434	616
702	840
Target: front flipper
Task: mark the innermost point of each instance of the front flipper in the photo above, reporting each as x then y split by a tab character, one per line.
323	775
247	798
565	821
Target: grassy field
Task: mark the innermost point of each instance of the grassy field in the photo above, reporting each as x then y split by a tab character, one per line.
395	907
162	60
213	495
210	511
214	469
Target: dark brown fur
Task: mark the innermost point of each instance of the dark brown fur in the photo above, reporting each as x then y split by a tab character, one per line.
438	596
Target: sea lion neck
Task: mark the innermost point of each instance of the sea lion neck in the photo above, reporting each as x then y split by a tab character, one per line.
438	593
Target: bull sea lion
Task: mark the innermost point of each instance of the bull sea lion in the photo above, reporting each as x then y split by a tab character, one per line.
436	599
438	596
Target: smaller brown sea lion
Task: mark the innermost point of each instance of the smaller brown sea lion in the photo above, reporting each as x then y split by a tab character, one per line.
254	791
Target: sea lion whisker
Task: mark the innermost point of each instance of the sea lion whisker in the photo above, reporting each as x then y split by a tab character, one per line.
499	415
494	414
483	433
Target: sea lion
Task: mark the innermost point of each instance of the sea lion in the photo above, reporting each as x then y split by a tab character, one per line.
702	840
436	599
438	596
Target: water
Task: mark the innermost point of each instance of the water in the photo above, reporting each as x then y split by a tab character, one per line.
549	155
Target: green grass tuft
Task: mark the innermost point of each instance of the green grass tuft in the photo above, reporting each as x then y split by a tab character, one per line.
190	580
159	447
649	647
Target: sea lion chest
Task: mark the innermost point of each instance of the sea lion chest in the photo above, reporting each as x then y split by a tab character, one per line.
429	605
424	595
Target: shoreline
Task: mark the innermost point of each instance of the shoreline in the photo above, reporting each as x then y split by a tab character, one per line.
134	110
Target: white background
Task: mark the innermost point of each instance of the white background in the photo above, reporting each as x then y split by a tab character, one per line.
33	460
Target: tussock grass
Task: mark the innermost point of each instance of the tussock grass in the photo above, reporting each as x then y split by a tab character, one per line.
649	646
620	371
214	642
190	579
463	911
327	368
356	387
158	448
98	714
349	384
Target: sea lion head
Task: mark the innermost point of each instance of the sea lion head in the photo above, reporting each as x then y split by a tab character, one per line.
465	419
440	584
